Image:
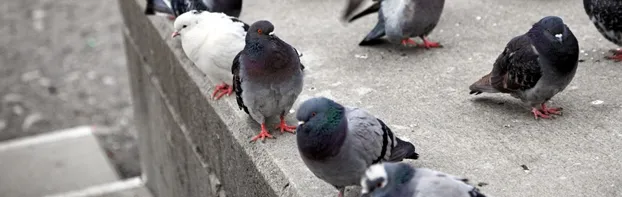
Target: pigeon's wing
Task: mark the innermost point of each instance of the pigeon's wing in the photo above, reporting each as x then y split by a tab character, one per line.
302	67
244	25
375	138
431	183
373	37
162	6
229	7
237	82
608	13
353	4
517	68
179	6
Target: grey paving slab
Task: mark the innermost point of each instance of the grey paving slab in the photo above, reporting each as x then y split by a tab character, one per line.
423	95
51	163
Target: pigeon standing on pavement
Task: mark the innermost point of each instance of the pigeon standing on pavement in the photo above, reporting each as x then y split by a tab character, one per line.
175	8
338	143
211	40
402	180
535	66
607	17
400	20
267	77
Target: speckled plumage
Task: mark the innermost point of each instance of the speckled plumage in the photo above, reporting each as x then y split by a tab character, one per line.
402	180
178	7
399	19
607	17
267	74
338	143
535	66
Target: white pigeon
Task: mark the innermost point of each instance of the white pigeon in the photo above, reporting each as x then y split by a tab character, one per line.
211	41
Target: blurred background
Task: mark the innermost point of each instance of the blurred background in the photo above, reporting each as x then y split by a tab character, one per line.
62	65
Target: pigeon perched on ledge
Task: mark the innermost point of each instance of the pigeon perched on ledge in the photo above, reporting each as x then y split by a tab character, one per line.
607	17
174	8
402	180
210	41
535	66
399	20
267	77
338	143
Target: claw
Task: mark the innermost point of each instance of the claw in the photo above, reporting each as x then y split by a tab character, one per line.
221	90
429	44
263	134
284	127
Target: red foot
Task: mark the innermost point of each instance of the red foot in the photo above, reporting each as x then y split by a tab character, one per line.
284	127
340	194
263	134
409	41
617	55
429	44
537	113
547	111
171	17
223	89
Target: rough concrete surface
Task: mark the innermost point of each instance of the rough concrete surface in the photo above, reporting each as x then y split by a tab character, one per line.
62	65
423	96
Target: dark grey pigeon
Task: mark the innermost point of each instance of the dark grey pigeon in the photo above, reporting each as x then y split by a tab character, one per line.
338	143
175	8
402	180
607	17
267	77
399	20
535	66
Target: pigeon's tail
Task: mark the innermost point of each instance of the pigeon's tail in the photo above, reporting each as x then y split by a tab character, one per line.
403	150
149	9
373	37
352	5
482	85
475	193
157	6
371	9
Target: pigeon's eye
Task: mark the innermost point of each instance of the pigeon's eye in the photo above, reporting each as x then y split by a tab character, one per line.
379	184
184	26
312	114
259	31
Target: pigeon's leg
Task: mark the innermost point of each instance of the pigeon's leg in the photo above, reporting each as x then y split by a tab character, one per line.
547	111
429	44
222	89
408	41
617	55
537	113
263	134
284	127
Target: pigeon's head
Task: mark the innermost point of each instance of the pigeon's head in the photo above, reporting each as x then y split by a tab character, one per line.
385	178
552	28
184	22
261	29
322	128
319	110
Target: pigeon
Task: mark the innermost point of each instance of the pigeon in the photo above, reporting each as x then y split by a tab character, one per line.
175	8
607	17
399	20
211	40
338	143
391	179
535	66
267	77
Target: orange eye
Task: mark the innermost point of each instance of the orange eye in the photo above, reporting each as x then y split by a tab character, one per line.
312	114
379	184
259	31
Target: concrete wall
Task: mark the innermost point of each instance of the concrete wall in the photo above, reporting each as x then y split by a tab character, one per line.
186	147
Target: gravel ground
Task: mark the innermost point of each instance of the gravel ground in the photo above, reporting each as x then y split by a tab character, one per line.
62	64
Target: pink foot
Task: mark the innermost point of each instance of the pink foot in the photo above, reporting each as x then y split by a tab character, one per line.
284	127
538	114
429	44
171	17
617	55
221	90
547	111
263	134
409	42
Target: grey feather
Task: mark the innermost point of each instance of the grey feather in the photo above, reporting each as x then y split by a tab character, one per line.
607	17
402	180
338	143
267	74
402	19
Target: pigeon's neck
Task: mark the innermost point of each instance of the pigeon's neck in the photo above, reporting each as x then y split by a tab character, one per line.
268	58
317	141
560	58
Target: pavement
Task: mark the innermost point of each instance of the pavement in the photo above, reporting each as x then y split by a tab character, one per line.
63	65
423	96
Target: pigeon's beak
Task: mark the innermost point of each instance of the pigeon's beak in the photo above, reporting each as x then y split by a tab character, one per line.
558	37
271	34
301	123
175	34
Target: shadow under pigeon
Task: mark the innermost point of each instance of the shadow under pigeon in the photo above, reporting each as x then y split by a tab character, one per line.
504	105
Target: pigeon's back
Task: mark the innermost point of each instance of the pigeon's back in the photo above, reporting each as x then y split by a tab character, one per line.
607	17
430	183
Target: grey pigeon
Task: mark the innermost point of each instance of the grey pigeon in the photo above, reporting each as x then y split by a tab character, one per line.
607	17
402	180
535	66
267	77
400	20
338	143
175	8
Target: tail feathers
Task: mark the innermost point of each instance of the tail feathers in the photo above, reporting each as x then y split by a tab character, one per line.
371	9
482	85
403	150
149	8
476	193
373	37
